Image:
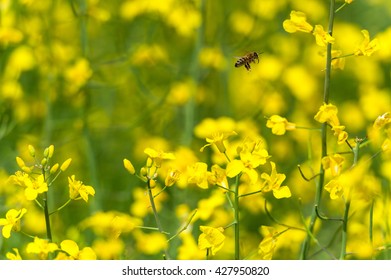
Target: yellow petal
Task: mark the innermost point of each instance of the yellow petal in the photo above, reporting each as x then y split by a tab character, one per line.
234	168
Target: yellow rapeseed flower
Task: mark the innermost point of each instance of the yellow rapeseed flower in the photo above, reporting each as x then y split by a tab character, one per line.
211	239
279	125
339	131
158	156
42	247
11	221
322	37
252	155
334	163
297	22
218	139
327	113
172	177
335	188
367	47
218	176
268	244
382	120
74	253
197	174
14	256
273	183
78	190
35	187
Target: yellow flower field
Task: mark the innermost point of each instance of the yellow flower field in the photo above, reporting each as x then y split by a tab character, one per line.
195	129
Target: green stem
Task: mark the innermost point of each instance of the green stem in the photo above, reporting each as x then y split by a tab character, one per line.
347	206
343	56
340	8
185	227
345	230
371	222
152	228
157	219
162	190
61	207
326	95
236	218
47	217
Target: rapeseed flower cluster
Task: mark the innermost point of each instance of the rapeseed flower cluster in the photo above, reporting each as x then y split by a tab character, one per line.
36	180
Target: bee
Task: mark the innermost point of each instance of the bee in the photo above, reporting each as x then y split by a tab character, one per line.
247	59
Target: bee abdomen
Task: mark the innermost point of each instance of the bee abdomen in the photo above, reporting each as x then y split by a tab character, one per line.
240	62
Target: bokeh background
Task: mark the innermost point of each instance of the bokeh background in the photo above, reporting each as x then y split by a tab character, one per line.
103	80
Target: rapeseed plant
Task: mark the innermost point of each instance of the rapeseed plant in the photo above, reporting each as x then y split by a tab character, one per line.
37	180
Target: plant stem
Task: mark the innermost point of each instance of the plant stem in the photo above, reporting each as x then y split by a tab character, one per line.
347	206
236	217
47	217
158	223
326	94
61	207
345	230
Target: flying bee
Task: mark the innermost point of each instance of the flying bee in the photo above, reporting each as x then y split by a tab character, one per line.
247	59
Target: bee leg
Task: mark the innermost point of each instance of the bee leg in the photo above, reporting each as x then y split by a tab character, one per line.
247	65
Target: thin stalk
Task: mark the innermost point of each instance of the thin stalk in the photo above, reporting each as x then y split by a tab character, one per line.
46	211
47	217
236	217
61	207
157	219
345	230
185	226
326	95
371	222
347	206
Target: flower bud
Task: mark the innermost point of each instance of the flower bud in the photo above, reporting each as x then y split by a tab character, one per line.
144	171
54	168
20	162
51	151
31	150
65	165
152	183
129	166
